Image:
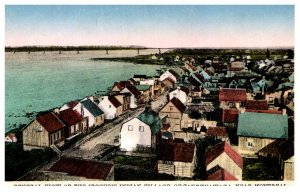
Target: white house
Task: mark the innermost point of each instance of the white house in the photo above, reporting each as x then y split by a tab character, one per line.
89	109
170	73
180	93
134	95
111	107
71	105
140	131
11	138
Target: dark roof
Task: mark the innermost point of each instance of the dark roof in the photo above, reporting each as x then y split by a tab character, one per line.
228	94
114	101
230	115
82	168
70	117
224	147
280	147
169	79
178	104
185	69
152	119
264	111
199	76
221	175
133	90
216	131
140	76
263	125
173	72
72	104
182	152
184	89
257	105
272	148
50	122
121	84
193	81
92	107
166	126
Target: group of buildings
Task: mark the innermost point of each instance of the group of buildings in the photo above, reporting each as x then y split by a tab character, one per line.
246	114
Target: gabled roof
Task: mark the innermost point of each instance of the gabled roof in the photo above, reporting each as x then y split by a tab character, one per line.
169	79
224	147
121	84
178	104
263	125
221	175
72	104
257	105
173	72
193	81
70	117
82	168
92	107
140	76
229	94
152	119
264	111
181	152
217	131
114	101
184	89
50	122
230	115
133	90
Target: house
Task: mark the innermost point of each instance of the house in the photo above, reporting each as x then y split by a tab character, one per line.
173	111
75	123
224	156
118	86
66	169
46	130
11	138
169	83
146	92
69	105
176	159
217	133
141	132
180	93
135	94
89	109
257	130
111	106
124	99
169	74
232	98
220	174
258	87
257	104
230	117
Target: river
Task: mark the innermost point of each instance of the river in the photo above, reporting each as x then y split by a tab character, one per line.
37	81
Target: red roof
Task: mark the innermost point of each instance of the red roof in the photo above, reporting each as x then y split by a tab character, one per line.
50	122
209	72
199	76
221	175
70	117
122	84
217	131
235	68
72	104
230	115
192	67
169	79
178	104
133	90
166	127
82	168
182	152
257	105
114	101
229	94
264	111
220	148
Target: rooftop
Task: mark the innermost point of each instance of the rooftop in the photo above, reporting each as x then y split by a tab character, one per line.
231	94
182	152
257	105
221	175
92	107
70	117
152	119
50	122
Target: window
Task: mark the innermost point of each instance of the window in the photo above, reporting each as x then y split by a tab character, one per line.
109	106
141	128
271	100
231	104
250	143
171	108
130	128
174	94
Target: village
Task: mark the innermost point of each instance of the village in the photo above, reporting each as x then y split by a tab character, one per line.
220	120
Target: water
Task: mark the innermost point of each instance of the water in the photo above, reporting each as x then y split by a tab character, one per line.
37	82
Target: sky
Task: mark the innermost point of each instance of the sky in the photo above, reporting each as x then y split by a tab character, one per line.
151	26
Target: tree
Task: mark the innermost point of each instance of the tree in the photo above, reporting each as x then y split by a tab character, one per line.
268	54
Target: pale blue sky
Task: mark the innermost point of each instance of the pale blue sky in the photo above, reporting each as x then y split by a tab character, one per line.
153	26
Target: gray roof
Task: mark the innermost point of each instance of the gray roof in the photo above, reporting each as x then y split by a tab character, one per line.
92	107
263	125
